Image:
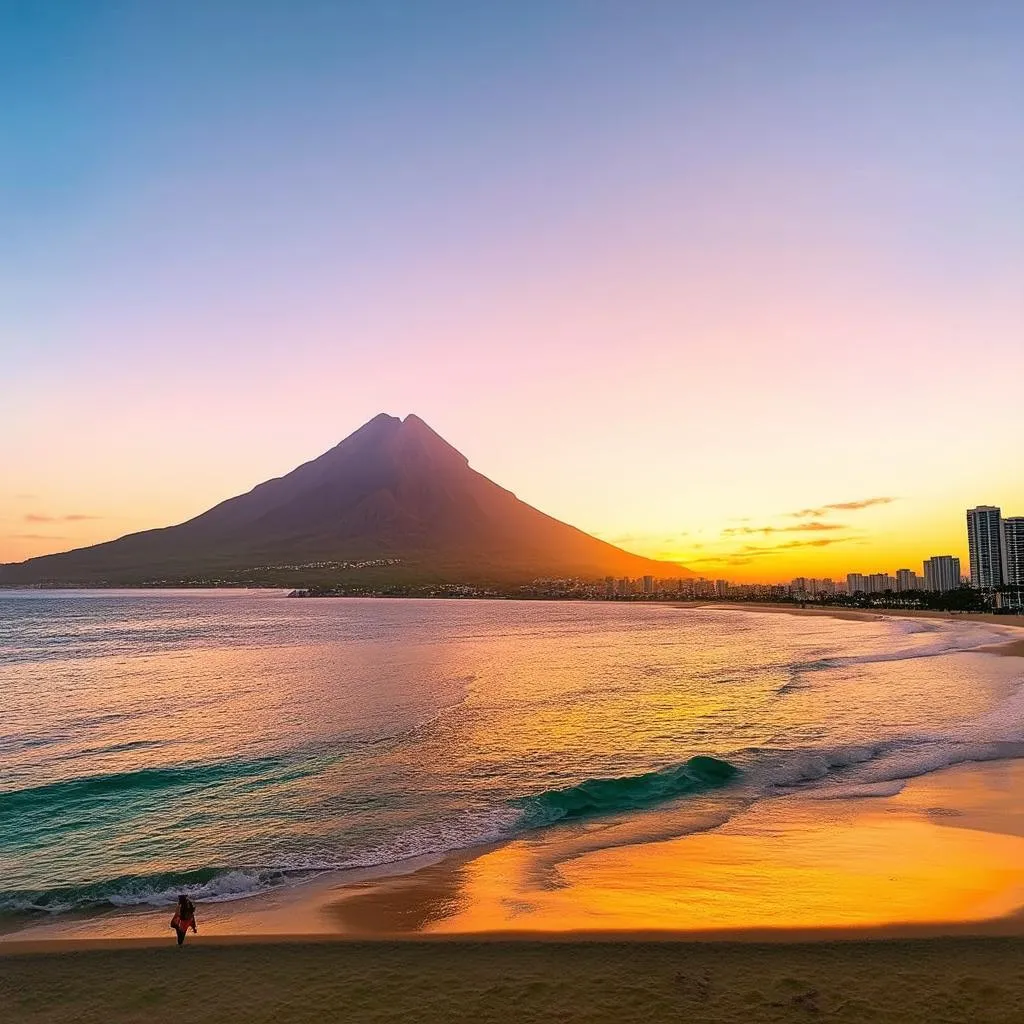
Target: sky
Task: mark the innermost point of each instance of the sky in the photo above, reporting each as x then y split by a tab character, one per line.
735	284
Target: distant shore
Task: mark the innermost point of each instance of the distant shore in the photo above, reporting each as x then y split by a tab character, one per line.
1012	647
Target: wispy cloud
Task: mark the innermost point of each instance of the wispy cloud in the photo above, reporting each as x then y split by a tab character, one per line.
840	506
800	528
754	551
718	560
35	536
74	517
749	552
821	542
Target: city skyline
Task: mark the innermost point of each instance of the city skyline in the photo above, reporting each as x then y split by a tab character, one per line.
689	280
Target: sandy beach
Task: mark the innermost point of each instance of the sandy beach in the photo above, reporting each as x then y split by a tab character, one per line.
1014	647
859	614
903	982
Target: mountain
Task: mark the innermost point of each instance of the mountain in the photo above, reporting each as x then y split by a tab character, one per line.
392	490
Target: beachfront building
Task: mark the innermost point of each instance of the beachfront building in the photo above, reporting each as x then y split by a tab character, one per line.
942	573
985	544
907	579
1013	551
856	583
879	583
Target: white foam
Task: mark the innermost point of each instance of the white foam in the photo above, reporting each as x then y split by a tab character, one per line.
858	792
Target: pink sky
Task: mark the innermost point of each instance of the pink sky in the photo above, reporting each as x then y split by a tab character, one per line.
668	279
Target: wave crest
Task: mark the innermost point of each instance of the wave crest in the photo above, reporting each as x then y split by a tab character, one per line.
632	792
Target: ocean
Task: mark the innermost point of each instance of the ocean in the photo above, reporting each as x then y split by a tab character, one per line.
224	743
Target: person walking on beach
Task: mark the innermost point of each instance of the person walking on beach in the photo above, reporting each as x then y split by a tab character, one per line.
184	917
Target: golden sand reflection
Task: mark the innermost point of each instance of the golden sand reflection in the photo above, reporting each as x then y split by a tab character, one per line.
923	857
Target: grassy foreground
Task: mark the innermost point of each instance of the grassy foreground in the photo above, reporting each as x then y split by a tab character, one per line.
933	980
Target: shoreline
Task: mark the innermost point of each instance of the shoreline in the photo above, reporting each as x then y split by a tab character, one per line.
731	885
524	888
1012	647
1008	927
856	614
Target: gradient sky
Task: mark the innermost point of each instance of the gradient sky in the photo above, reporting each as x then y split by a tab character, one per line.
671	272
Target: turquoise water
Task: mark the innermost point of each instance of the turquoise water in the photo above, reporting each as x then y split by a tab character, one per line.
224	743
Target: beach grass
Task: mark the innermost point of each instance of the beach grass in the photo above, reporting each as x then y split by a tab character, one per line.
928	980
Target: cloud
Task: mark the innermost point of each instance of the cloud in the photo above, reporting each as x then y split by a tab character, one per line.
718	560
74	517
34	536
801	528
752	551
840	506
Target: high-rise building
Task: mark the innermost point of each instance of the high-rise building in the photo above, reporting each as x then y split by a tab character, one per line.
721	588
942	573
856	583
1013	551
985	544
648	585
906	579
879	583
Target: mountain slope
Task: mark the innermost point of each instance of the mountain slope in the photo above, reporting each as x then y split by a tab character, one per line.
392	490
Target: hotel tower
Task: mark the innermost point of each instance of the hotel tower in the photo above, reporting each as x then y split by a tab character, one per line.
985	543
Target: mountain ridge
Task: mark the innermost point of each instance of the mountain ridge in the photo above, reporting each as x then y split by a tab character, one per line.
392	490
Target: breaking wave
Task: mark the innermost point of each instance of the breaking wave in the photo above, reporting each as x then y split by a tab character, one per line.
630	793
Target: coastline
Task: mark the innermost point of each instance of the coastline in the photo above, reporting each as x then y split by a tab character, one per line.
1013	647
857	614
791	869
798	874
899	972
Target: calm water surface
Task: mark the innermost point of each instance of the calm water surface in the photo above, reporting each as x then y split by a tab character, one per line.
228	742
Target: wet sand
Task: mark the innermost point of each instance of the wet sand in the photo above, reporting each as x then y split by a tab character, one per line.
793	864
